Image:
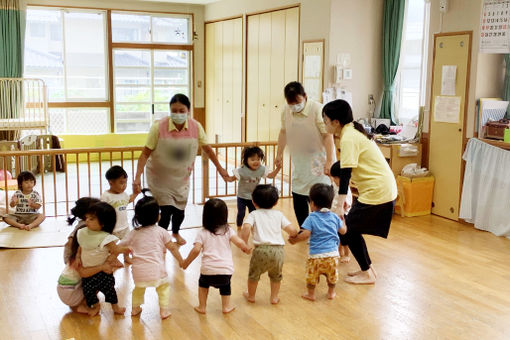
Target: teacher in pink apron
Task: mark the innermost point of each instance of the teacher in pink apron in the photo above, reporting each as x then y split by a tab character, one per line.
311	146
169	157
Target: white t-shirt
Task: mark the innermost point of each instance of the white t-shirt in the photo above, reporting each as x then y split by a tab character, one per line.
216	252
267	225
119	202
22	206
92	243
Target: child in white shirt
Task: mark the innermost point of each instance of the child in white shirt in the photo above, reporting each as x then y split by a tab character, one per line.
27	202
266	224
118	198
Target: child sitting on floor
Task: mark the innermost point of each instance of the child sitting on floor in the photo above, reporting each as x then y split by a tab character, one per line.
27	201
267	224
322	227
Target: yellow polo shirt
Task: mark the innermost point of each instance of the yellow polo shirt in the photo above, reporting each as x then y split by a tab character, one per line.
153	135
370	170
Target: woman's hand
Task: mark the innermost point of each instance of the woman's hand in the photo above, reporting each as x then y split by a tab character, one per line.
327	167
278	162
137	187
224	174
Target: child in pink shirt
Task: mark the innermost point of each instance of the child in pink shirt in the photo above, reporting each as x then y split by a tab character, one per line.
213	240
148	243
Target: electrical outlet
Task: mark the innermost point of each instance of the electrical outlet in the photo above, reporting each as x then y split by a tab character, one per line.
443	6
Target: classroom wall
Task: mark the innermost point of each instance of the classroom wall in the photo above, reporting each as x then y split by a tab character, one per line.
356	28
486	74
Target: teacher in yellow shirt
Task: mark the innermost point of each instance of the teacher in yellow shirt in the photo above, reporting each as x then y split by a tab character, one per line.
362	161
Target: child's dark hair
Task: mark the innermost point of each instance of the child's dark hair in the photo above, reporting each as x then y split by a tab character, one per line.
335	170
250	151
265	196
341	111
105	214
215	215
181	98
74	246
81	207
146	211
116	172
292	90
25	176
322	195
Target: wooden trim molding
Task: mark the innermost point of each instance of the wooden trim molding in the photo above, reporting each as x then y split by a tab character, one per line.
78	104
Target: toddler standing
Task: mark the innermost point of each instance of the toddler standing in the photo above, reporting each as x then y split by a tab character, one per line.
249	176
27	201
213	240
96	244
118	198
266	224
148	243
322	227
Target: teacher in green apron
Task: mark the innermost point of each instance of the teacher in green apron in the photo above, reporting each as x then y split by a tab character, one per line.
311	146
169	158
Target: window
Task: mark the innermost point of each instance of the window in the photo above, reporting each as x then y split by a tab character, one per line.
143	28
144	82
409	81
68	49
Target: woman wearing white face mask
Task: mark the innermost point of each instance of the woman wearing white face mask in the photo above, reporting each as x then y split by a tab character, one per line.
170	151
311	146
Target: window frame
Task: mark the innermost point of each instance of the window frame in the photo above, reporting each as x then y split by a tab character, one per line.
110	46
422	68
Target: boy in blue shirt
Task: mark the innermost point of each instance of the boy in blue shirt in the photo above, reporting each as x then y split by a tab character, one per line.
322	227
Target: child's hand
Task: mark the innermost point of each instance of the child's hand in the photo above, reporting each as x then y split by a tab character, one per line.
14	200
347	206
292	240
247	250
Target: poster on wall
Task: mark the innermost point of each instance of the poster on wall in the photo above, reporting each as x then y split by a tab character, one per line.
495	27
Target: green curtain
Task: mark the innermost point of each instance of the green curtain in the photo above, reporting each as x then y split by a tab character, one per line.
12	30
393	22
506	89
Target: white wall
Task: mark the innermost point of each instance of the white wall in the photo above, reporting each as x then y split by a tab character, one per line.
198	22
356	28
486	74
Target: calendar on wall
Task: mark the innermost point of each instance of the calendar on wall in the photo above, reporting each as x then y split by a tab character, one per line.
495	27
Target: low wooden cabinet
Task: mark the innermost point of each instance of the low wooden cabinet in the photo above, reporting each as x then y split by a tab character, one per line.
392	154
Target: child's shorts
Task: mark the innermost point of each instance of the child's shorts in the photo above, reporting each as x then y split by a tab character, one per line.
24	218
267	258
222	282
326	266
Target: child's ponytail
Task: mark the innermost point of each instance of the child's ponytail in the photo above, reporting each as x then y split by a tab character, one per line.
146	211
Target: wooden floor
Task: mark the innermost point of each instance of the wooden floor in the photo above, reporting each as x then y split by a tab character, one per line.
437	279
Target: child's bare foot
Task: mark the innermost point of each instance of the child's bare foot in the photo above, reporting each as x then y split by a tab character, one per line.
308	297
363	278
199	309
228	309
248	297
118	310
344	259
94	310
332	295
275	301
82	309
164	313
136	310
180	241
22	226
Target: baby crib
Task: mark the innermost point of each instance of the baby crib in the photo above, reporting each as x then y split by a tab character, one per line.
23	105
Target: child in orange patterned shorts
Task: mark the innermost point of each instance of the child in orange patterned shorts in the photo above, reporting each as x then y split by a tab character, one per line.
322	227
